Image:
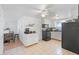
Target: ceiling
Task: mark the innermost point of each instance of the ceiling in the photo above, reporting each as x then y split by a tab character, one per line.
27	9
63	10
13	12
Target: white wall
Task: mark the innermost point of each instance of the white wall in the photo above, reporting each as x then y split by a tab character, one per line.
1	30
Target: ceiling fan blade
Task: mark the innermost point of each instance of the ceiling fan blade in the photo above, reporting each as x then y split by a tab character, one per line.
36	9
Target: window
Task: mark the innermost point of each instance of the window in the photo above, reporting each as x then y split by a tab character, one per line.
58	25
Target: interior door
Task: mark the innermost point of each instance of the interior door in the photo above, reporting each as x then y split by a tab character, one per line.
1	37
1	31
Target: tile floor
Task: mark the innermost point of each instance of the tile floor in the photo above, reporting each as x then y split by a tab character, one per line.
52	47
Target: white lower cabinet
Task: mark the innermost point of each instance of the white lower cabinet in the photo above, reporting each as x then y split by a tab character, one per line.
56	35
30	39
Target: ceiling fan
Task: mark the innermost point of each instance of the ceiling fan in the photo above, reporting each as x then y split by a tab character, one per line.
42	11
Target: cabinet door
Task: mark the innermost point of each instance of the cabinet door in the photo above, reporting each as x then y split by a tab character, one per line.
56	35
31	39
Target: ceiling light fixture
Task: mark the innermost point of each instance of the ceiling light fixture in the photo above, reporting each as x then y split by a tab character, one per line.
43	15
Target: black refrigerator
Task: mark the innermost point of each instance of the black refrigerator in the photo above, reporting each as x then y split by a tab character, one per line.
70	36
